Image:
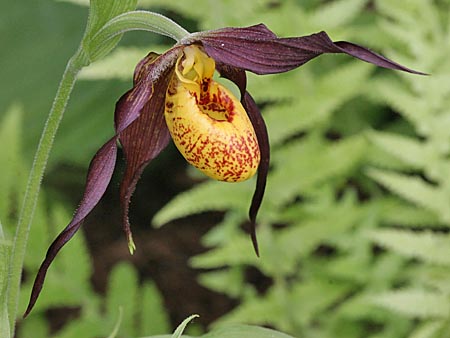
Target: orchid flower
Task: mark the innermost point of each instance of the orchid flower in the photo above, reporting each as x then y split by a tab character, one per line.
175	96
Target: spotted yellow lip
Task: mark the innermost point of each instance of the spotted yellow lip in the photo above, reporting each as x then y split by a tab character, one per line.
207	122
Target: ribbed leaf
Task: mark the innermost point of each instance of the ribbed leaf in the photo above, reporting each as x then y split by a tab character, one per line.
414	303
428	246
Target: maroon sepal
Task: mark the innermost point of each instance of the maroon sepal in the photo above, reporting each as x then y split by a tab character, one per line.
259	50
148	135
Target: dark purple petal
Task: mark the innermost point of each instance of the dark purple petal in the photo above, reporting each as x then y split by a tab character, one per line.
258	50
239	78
263	169
143	139
98	178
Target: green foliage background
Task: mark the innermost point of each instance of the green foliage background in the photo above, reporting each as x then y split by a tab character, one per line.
355	226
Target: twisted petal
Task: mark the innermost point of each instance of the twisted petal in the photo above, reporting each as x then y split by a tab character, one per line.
99	175
149	81
259	50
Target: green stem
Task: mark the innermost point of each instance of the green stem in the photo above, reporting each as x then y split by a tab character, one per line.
34	183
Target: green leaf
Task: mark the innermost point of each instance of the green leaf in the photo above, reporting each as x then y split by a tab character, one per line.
107	37
116	328
152	313
100	12
4	260
123	293
428	246
414	303
13	177
5	247
4	321
179	331
245	331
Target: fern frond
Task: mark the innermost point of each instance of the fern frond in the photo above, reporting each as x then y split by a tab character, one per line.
379	158
237	251
301	166
209	196
415	190
396	212
428	246
414	303
316	106
306	234
408	150
397	95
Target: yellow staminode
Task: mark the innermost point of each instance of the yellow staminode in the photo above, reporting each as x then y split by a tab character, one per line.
208	124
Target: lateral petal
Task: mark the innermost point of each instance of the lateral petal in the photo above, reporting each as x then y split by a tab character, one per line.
145	137
99	175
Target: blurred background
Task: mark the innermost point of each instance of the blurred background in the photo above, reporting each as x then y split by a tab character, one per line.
354	228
